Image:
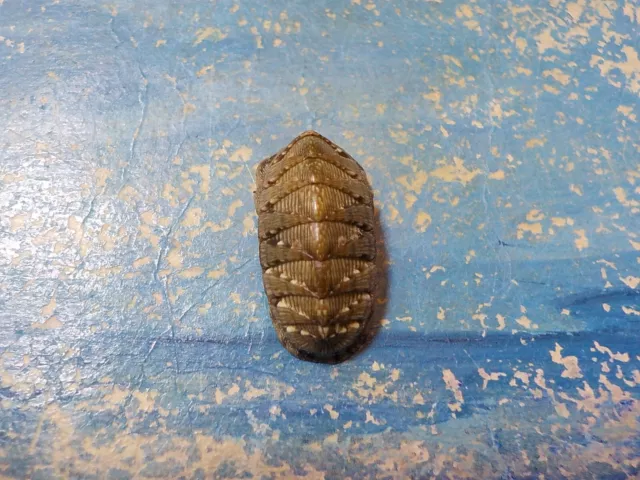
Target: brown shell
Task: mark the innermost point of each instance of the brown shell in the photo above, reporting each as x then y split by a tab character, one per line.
317	247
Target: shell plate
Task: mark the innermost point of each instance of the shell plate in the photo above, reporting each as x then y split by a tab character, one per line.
317	247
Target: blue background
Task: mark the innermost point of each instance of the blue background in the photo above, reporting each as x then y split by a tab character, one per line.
502	142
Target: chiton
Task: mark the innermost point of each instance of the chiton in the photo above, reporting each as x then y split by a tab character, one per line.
317	247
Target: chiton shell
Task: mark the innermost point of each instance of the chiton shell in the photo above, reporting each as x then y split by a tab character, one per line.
317	247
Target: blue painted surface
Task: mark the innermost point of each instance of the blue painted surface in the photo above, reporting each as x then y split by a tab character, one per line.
502	142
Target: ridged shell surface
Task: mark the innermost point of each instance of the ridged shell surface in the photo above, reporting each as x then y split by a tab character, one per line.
317	247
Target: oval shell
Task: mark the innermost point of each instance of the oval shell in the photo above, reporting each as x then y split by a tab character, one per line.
317	247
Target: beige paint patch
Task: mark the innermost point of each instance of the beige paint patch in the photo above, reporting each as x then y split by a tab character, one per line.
330	410
204	70
621	196
17	222
49	308
581	242
464	11
522	376
630	281
614	357
192	272
526	322
545	41
147	233
252	392
171	194
627	111
535	142
489	377
220	396
535	216
409	200
75	225
575	9
188	108
219	272
225	225
109	241
533	228
571	368
418	179
558	75
129	194
174	258
50	324
101	176
562	410
399	136
11	178
471	254
630	10
434	96
193	217
248	225
617	394
630	68
575	189
369	418
148	217
453	385
209	33
205	175
242	154
497	175
496	110
456	172
394	214
422	222
234	206
370	389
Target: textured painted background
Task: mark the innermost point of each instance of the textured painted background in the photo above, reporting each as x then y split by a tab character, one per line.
503	143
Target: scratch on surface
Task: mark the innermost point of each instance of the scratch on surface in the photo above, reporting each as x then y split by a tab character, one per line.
166	237
154	343
36	435
113	33
143	99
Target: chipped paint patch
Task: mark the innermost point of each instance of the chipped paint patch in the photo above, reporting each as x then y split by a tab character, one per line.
570	363
456	172
209	33
422	221
581	242
489	377
453	385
